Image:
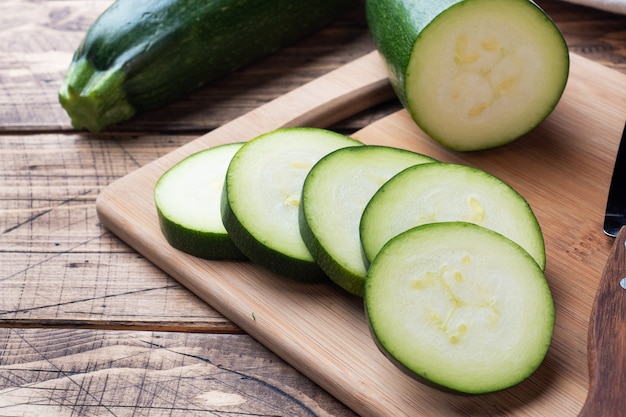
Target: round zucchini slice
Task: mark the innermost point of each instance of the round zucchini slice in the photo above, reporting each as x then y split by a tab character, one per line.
442	192
261	198
335	192
460	307
188	200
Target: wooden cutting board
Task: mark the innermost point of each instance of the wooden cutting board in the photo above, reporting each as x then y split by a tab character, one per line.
563	168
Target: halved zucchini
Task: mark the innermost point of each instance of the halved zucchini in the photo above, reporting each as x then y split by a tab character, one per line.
473	74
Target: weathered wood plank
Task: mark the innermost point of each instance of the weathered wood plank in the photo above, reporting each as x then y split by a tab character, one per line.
69	372
59	264
37	40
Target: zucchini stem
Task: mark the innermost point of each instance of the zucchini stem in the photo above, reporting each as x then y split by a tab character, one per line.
94	99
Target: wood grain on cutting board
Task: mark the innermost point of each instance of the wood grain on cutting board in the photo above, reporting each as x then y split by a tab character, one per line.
562	168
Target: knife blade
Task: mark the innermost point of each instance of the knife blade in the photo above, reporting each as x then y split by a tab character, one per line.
615	214
606	338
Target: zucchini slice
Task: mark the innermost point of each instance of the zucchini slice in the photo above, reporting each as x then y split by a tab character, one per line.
460	307
334	194
443	192
473	74
261	198
188	201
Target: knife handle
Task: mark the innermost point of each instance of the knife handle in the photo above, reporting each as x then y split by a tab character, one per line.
606	343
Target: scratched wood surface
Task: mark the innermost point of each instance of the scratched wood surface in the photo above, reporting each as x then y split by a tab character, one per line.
89	327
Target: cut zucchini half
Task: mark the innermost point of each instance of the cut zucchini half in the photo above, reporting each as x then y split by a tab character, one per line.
443	192
261	198
188	201
460	307
335	192
473	74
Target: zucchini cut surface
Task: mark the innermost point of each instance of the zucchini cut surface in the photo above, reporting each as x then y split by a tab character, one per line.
335	192
460	307
261	199
495	68
443	192
188	202
473	74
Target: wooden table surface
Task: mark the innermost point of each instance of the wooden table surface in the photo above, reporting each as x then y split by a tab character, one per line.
87	326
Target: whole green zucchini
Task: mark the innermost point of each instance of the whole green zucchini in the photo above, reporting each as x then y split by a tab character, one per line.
473	74
143	54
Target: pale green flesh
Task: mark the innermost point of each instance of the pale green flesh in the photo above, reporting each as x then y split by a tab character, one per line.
264	184
335	193
485	72
444	192
189	193
460	306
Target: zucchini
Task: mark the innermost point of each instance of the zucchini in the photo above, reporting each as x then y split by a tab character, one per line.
442	192
334	194
261	198
143	54
460	307
473	74
188	202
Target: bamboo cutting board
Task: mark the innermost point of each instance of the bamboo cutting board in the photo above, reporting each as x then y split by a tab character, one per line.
563	168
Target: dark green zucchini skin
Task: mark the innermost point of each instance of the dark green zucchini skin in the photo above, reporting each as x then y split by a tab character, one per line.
143	54
394	26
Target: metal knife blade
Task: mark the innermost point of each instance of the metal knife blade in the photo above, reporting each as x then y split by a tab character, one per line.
606	339
615	215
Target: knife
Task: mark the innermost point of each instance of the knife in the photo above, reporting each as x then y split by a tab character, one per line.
606	339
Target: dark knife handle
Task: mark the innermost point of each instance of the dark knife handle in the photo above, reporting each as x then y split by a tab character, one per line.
606	344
